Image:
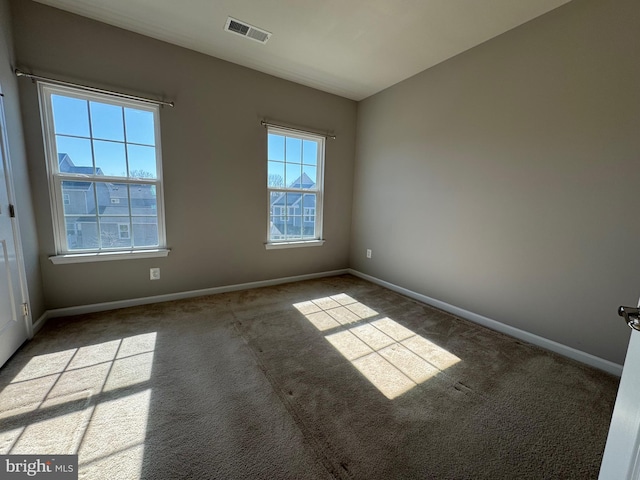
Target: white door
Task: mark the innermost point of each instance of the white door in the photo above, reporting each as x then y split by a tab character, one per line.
621	460
13	320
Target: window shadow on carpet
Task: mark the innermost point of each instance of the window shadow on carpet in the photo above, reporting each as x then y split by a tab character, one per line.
392	357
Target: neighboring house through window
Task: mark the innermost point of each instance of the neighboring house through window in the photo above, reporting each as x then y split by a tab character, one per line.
295	187
105	171
123	229
309	214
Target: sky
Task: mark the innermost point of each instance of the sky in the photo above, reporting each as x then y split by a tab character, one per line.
110	136
290	157
119	135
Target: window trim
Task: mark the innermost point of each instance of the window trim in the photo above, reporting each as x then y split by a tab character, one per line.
318	240
296	244
107	256
63	253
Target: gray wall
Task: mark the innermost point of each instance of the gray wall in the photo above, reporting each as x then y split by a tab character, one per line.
506	181
214	162
503	181
18	159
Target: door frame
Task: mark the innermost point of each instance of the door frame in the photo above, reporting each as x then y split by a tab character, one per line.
621	456
22	272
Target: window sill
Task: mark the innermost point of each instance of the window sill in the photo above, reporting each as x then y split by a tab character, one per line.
107	256
309	243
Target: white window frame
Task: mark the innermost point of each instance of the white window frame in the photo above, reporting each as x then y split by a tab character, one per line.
63	253
318	240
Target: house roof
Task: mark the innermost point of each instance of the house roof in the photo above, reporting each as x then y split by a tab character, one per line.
142	197
66	165
301	182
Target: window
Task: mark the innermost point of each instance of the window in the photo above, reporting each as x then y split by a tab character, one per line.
105	172
123	230
295	188
309	214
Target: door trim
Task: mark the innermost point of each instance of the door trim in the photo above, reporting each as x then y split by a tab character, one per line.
22	273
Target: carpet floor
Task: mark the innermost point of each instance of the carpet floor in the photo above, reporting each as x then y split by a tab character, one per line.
329	378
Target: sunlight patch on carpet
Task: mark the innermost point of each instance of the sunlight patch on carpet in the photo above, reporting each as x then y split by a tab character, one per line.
114	440
92	400
391	356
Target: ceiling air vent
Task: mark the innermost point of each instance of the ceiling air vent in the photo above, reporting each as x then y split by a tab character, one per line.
246	30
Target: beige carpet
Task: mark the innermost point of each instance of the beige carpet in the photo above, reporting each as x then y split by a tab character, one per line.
331	378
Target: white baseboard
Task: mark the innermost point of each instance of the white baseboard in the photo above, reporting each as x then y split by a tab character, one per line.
545	343
556	347
38	324
101	307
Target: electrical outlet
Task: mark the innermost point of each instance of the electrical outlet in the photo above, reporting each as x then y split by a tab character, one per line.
368	253
154	274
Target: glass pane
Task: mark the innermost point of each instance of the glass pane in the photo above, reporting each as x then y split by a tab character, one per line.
309	216
293	203
294	150
275	147
78	198
74	155
145	231
82	232
277	204
309	228
277	228
115	232
108	194
110	158
124	230
106	121
143	200
293	174
309	201
310	152
140	127
275	196
113	198
70	116
275	175
294	215
309	176
142	161
293	231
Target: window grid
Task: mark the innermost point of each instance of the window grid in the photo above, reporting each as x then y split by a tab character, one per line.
287	218
68	225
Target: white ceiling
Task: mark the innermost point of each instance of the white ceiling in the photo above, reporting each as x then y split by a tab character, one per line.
352	48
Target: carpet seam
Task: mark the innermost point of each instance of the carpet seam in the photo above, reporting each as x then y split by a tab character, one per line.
336	471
